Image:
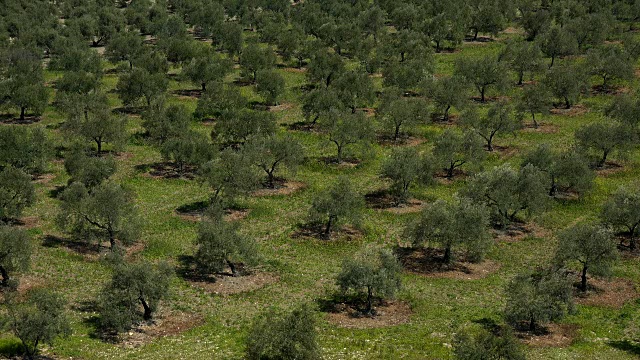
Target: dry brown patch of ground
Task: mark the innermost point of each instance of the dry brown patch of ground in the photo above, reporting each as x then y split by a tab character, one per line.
281	188
44	178
281	107
295	70
228	285
516	232
28	222
505	151
168	170
386	140
428	262
609	168
575	110
196	215
556	335
188	94
391	313
28	120
383	200
542	128
609	90
346	163
166	324
613	293
316	232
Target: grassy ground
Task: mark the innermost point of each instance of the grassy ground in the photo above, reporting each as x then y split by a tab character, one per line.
306	268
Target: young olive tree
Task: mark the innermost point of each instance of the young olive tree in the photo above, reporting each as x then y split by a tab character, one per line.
461	223
622	211
535	298
335	205
372	272
599	139
288	336
16	193
107	212
500	118
535	99
345	129
15	254
495	343
453	150
221	244
484	73
567	170
508	192
133	285
229	174
40	319
273	152
88	170
591	246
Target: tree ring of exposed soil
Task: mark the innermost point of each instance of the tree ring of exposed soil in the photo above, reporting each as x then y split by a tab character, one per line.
383	200
163	325
387	313
315	231
195	212
225	284
613	293
282	187
428	262
554	335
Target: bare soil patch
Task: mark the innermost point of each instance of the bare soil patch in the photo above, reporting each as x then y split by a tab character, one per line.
542	128
505	151
281	107
555	335
428	262
44	178
165	324
387	313
386	140
316	232
516	232
28	120
225	284
168	170
295	70
192	93
195	212
609	168
613	293
304	127
383	200
575	110
281	188
26	222
609	90
346	162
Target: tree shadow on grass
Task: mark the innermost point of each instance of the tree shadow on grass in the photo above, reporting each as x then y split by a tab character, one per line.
56	191
626	345
80	247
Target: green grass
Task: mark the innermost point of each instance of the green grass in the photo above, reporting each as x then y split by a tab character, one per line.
307	267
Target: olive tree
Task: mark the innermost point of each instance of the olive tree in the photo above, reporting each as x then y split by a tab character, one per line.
535	298
346	129
16	193
622	211
22	81
335	205
403	113
372	272
190	148
557	42
139	84
221	244
523	57
25	148
497	342
460	223
106	213
405	167
273	152
240	126
133	286
163	122
15	253
206	68
254	57
453	150
270	84
447	93
566	82
484	73
567	170
534	99
40	319
88	170
355	89
500	118
610	62
508	192
228	175
220	101
599	139
591	246
97	125
284	336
